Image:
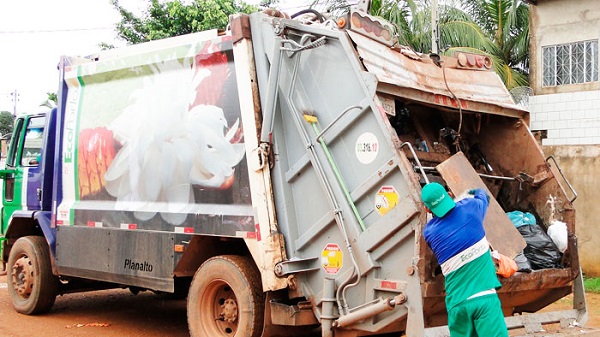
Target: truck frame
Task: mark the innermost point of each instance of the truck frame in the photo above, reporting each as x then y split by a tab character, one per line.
272	173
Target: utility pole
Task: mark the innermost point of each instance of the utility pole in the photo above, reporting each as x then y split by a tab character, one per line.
15	99
434	27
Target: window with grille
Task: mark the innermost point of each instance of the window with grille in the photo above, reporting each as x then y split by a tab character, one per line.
570	63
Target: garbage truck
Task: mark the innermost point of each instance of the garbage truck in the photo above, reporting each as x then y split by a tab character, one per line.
271	173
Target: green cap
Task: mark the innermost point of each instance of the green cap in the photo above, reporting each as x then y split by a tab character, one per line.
437	199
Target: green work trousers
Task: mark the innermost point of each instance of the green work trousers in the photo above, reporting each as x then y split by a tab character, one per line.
478	317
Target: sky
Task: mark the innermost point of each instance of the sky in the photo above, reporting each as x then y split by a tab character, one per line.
35	33
33	36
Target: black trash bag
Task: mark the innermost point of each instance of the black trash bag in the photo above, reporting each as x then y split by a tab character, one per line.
541	251
522	263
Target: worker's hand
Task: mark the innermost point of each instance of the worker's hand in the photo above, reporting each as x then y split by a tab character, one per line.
474	192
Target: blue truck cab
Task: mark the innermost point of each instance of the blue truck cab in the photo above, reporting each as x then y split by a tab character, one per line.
27	178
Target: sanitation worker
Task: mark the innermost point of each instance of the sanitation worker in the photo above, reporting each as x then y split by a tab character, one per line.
456	236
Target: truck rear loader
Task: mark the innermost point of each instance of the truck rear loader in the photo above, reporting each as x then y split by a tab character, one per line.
272	173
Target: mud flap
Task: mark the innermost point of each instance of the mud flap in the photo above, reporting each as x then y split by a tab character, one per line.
500	231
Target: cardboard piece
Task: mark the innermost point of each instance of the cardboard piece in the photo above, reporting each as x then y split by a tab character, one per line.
460	176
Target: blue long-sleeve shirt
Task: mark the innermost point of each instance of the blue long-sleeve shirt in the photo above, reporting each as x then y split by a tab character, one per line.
458	229
458	241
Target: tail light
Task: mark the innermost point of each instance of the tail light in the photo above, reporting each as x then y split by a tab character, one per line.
473	61
372	27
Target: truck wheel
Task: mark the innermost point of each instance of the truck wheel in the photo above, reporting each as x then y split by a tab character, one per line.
226	299
31	284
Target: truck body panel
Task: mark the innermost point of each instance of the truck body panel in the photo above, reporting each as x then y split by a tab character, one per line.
131	166
301	148
150	150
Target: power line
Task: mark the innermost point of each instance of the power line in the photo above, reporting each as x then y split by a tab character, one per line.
53	30
307	5
13	97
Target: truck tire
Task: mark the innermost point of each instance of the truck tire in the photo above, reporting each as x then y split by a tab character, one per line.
31	285
226	299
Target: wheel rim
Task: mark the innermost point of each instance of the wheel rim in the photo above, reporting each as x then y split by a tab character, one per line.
22	277
222	317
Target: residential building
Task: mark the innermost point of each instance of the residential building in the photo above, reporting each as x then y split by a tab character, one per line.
565	106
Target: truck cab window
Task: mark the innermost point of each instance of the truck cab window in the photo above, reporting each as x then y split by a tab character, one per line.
33	142
16	139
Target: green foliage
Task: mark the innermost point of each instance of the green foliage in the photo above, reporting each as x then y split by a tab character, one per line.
51	101
105	46
164	19
505	24
592	285
6	122
268	3
496	28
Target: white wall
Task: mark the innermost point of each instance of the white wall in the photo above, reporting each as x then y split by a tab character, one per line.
571	118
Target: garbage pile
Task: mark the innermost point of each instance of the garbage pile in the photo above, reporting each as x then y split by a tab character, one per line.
544	250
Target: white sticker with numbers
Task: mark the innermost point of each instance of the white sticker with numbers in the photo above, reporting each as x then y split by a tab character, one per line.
367	147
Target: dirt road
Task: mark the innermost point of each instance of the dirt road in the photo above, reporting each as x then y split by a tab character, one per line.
118	313
593	305
106	313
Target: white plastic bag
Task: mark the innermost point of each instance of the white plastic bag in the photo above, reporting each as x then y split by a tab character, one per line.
558	233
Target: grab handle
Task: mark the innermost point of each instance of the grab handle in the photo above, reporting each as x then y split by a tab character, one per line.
564	178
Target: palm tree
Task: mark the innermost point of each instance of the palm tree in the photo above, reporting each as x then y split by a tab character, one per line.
412	20
505	28
496	28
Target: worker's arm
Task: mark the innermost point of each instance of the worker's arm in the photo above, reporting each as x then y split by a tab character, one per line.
481	195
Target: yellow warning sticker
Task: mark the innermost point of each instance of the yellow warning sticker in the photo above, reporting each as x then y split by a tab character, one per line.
331	258
386	199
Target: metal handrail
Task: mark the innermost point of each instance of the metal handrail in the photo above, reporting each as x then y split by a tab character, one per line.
337	119
416	159
563	176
